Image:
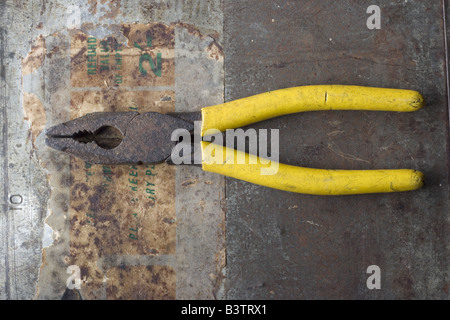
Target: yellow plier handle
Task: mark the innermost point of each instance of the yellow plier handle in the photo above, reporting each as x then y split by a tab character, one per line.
268	105
242	112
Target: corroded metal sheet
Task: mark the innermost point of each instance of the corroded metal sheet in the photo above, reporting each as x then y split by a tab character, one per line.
120	210
141	283
118	225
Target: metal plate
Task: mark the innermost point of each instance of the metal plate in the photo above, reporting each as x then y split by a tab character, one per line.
279	245
290	246
122	230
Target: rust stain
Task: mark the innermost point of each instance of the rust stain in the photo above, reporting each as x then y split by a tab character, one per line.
161	35
43	265
215	51
35	57
114	9
34	113
191	29
195	31
147	283
52	52
87	26
92	6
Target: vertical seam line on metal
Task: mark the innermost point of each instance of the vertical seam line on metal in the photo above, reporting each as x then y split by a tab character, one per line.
447	87
5	163
446	55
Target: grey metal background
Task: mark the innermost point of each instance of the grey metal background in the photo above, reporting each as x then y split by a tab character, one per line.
279	245
282	245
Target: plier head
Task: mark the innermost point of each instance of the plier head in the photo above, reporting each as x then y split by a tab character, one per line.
118	137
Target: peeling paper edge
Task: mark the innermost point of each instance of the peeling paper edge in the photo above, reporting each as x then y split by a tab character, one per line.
47	237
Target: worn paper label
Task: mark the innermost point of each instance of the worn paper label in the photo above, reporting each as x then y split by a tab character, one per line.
132	232
123	210
148	58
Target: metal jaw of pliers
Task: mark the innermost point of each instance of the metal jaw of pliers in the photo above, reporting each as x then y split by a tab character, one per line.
133	138
119	137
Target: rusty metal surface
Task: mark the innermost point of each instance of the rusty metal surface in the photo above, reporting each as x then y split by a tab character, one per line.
118	137
291	246
60	212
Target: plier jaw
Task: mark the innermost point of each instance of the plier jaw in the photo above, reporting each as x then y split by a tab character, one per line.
118	137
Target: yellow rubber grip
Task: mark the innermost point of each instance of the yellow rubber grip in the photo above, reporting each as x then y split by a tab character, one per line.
242	112
224	161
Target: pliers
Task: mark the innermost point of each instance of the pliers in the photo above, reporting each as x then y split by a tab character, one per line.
134	138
